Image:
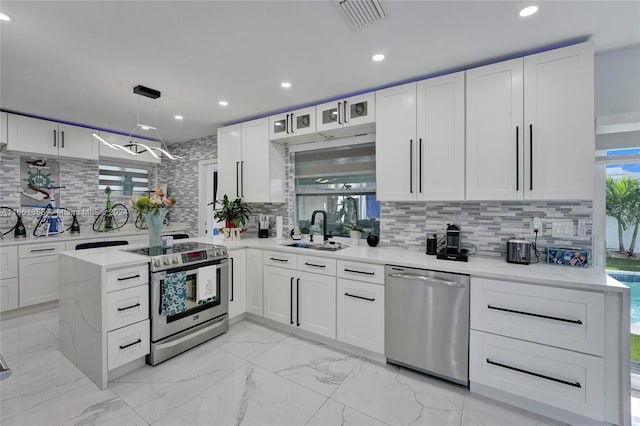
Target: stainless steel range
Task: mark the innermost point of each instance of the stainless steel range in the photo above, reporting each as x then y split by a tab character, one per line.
188	295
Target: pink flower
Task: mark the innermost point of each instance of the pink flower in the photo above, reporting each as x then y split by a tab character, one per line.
167	202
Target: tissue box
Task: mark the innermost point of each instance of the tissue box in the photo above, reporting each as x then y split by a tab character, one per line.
568	257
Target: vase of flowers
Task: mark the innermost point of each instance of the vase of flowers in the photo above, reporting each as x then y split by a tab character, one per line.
154	209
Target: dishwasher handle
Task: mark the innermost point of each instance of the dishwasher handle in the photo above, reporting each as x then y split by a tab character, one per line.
416	277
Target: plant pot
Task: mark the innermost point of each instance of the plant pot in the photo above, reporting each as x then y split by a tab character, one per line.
354	236
373	240
229	224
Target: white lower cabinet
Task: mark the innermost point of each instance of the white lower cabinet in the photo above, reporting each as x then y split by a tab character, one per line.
38	280
237	283
127	306
254	281
8	278
568	380
360	314
8	294
278	294
127	344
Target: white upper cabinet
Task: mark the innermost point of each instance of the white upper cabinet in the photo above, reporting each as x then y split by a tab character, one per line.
530	127
420	140
346	112
48	138
117	154
250	166
297	123
3	128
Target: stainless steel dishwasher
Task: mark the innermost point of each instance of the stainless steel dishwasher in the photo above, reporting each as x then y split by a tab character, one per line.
427	321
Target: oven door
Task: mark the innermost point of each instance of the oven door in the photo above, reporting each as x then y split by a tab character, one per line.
165	325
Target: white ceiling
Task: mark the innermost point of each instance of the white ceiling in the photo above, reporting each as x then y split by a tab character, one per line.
79	60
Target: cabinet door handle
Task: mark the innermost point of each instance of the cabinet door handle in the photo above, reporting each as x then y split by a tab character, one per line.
231	298
45	249
344	111
242	178
237	178
298	302
339	122
530	157
359	272
275	259
129	307
55	136
287	124
531	314
420	167
291	302
291	123
62	139
315	265
131	344
370	299
411	166
531	373
129	278
517	158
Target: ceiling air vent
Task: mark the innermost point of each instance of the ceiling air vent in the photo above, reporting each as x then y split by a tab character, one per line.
360	12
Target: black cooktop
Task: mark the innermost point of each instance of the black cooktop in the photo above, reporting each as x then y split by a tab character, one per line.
177	248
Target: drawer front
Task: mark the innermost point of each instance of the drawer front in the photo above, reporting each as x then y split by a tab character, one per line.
316	265
566	318
41	249
8	294
282	260
127	344
360	313
8	262
127	306
131	276
361	271
557	377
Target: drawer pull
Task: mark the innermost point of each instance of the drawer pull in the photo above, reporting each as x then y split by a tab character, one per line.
129	307
131	344
129	278
275	259
45	249
535	315
359	272
314	265
542	376
370	299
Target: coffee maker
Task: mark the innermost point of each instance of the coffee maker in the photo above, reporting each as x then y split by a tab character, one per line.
452	249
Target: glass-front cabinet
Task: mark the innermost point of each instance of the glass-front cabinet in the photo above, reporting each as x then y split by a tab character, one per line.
296	123
346	112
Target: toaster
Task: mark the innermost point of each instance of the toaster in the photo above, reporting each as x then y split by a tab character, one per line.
519	251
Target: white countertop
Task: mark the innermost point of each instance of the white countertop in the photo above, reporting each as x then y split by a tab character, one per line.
591	278
86	234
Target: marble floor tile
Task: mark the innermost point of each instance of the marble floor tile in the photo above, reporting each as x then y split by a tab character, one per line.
249	396
310	364
481	411
83	405
399	396
635	411
334	413
37	377
24	335
49	319
156	391
248	340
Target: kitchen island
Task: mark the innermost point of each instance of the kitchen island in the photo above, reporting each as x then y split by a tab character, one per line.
592	349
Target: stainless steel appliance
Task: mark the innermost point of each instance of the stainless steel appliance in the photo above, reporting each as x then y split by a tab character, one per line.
172	334
427	322
452	250
519	251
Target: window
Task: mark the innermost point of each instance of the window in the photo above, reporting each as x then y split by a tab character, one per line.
340	181
123	180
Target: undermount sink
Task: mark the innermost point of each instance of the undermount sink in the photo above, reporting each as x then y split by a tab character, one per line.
326	246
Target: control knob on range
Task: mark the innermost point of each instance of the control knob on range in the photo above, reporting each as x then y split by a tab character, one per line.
156	262
174	260
165	261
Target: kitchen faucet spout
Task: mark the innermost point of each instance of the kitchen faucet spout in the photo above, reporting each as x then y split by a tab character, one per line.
324	222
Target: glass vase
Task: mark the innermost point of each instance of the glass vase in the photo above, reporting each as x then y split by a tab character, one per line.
154	224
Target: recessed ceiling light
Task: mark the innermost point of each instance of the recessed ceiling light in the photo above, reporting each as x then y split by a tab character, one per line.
144	127
5	18
223	103
285	84
528	11
378	57
178	117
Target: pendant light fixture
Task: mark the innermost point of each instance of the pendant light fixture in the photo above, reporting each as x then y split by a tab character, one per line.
132	147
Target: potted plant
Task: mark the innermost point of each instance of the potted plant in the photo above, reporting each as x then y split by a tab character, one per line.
355	232
234	213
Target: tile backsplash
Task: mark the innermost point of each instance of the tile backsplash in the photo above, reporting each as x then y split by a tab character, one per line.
487	225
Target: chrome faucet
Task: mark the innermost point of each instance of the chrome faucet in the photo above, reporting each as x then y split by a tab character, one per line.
324	223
